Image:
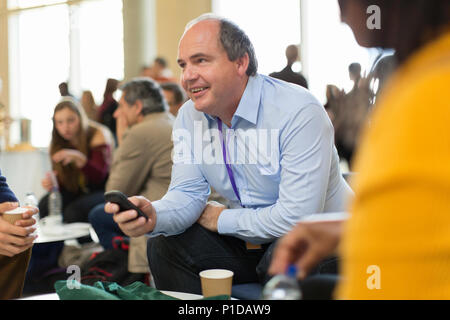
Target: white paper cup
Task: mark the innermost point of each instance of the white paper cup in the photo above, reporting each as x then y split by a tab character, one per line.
14	215
216	282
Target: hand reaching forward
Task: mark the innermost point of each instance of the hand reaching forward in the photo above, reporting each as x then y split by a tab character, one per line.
306	245
67	156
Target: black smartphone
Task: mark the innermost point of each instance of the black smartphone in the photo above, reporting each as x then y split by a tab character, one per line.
122	201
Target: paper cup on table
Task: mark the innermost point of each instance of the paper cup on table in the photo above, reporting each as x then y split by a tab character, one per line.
216	282
13	215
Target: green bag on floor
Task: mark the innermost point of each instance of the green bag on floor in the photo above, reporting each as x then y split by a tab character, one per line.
71	290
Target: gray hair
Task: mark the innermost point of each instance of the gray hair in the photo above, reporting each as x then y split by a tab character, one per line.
147	91
233	39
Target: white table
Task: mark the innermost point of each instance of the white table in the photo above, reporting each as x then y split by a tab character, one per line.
52	231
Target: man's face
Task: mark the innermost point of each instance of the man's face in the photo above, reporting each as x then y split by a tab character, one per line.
129	112
170	98
208	76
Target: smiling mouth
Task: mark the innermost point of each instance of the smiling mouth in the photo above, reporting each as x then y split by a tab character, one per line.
197	90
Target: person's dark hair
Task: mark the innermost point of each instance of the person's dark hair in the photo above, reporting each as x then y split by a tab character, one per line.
178	92
111	87
406	25
64	89
234	41
355	68
147	91
237	44
161	61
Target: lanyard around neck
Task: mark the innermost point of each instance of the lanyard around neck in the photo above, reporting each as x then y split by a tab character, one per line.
229	170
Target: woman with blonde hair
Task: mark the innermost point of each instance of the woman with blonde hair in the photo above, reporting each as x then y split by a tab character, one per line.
80	152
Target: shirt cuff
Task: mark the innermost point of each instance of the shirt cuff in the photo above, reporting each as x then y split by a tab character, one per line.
159	226
227	222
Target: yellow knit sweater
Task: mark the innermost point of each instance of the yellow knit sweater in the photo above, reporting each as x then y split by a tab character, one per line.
397	242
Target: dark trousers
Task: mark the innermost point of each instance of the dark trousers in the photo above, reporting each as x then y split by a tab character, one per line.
176	261
76	207
104	225
319	286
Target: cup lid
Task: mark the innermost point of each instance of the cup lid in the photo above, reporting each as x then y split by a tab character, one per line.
216	273
18	210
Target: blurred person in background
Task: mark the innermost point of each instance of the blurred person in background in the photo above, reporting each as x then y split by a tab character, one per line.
287	74
334	96
80	152
89	105
354	73
159	71
142	162
64	90
109	106
350	113
175	96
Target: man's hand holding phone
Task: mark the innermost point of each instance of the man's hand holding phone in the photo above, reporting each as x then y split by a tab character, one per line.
129	220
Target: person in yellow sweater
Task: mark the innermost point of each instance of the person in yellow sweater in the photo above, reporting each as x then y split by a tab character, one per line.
396	243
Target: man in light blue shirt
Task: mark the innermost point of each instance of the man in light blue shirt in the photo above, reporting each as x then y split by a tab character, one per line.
265	145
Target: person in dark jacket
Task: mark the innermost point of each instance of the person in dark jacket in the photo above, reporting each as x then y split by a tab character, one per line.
287	74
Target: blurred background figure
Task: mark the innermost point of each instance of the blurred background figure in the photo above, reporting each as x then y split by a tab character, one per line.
175	96
351	110
80	154
158	71
146	71
109	106
334	97
287	74
142	162
64	90
382	71
89	105
354	72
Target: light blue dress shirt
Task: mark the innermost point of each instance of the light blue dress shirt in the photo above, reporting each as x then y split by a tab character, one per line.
281	150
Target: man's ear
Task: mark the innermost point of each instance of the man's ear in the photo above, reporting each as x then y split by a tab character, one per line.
139	106
242	64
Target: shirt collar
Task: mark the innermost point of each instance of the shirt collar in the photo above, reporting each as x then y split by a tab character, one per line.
249	104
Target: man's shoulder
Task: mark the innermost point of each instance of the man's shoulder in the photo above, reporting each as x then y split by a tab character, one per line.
290	76
187	115
287	96
153	127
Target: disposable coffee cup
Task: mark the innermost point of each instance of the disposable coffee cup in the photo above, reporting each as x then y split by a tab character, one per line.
14	215
216	282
